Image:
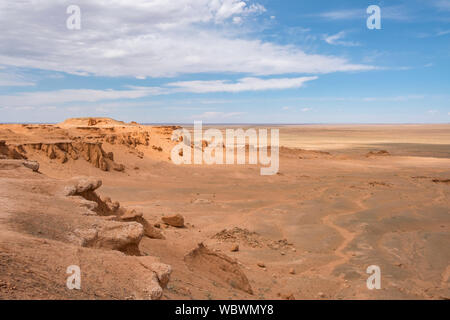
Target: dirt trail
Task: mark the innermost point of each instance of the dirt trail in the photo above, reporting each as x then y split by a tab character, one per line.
344	233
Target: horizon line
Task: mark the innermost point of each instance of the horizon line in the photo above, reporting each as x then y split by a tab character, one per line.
255	123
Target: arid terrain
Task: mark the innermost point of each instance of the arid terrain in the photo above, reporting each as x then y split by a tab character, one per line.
104	195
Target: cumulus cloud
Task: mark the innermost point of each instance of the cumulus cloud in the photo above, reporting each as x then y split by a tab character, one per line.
148	38
225	9
245	84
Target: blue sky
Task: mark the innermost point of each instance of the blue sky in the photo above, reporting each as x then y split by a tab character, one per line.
226	61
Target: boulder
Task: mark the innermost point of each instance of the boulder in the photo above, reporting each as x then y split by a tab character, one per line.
176	220
111	235
81	185
162	271
218	266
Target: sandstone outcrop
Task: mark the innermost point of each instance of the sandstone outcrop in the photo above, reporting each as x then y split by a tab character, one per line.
91	152
149	230
46	232
111	235
14	163
161	270
74	122
9	153
218	266
85	187
131	139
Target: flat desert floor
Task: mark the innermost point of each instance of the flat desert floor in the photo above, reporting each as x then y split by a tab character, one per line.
346	197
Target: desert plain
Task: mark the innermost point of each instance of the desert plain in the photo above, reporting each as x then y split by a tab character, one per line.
104	195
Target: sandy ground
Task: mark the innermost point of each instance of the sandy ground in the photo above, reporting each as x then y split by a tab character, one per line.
309	232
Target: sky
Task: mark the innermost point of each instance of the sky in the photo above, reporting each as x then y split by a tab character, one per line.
225	61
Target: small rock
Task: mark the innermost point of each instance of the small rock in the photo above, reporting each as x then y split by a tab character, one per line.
176	220
33	165
287	296
261	265
321	295
149	230
131	214
292	271
234	248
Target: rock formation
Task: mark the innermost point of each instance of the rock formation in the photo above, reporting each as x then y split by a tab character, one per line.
48	230
7	152
62	151
218	266
84	188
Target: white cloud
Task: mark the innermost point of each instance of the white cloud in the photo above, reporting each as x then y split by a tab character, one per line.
148	38
44	98
344	14
306	109
245	84
10	83
399	13
237	20
433	112
336	40
61	97
12	80
225	9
